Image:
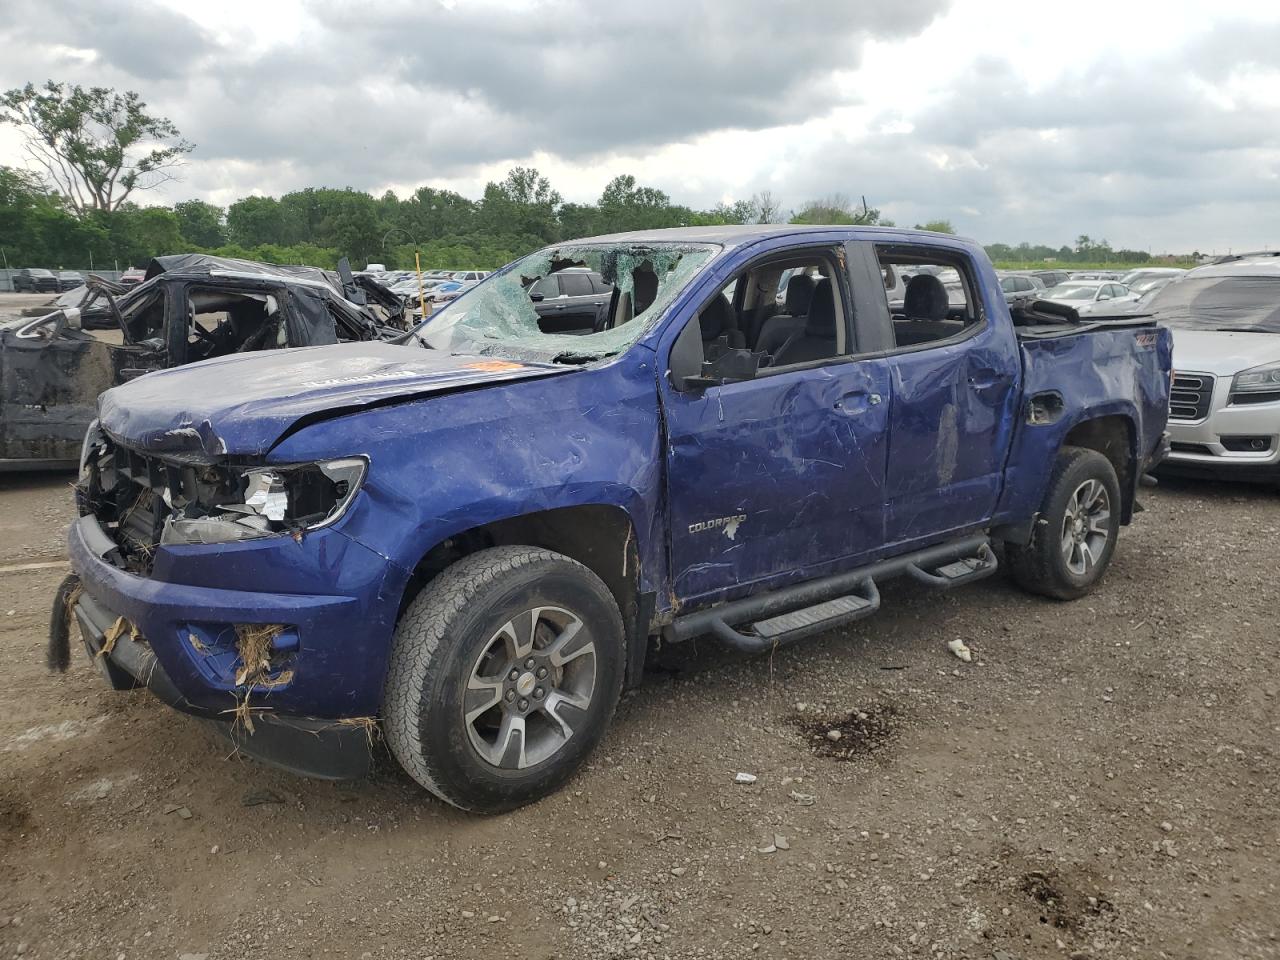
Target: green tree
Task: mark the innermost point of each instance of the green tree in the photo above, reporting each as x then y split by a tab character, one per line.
140	233
255	220
200	223
350	223
625	206
937	226
523	205
96	145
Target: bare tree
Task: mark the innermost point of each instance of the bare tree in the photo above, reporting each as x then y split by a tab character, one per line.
838	208
765	207
96	145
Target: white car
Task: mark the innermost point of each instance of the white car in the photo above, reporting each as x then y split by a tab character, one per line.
1224	410
1143	279
1092	296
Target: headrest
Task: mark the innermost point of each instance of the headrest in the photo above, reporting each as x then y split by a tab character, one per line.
716	318
799	294
822	312
926	298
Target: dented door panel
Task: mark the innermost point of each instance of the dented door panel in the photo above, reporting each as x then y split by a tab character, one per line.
775	475
949	428
48	392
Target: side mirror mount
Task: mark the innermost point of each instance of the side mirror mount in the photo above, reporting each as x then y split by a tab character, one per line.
695	365
732	365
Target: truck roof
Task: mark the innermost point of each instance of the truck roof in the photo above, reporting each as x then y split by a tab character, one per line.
733	235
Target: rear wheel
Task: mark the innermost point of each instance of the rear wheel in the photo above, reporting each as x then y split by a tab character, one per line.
1075	535
504	675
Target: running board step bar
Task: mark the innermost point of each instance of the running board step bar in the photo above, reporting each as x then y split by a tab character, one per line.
963	570
821	616
791	613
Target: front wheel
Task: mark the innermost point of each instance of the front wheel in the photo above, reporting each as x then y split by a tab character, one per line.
1075	534
504	674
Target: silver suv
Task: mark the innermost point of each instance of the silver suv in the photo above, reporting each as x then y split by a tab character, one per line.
1224	412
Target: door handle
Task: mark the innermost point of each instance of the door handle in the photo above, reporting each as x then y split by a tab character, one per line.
857	401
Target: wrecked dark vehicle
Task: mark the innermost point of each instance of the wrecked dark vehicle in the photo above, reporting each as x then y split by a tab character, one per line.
191	307
470	539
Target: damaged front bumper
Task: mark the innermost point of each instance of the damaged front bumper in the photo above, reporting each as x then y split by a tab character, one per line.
314	714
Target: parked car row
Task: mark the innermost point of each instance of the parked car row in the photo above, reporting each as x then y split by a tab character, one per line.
193	307
35	280
1224	418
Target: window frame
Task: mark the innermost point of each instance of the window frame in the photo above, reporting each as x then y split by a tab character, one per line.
958	260
541	280
585	278
834	253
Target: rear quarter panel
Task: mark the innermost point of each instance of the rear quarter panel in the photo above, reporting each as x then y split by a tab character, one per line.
1102	372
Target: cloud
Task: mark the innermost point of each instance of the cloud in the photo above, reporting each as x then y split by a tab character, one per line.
403	92
140	39
1152	131
1143	151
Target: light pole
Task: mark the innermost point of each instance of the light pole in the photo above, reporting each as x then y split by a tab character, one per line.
417	263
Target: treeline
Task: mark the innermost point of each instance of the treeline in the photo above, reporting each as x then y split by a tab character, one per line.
319	225
1085	251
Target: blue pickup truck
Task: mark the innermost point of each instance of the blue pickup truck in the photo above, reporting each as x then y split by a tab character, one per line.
469	538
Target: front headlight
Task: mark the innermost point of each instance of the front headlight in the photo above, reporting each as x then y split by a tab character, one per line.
1263	379
272	501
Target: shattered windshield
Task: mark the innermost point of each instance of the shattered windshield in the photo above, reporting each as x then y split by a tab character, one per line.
1236	303
566	319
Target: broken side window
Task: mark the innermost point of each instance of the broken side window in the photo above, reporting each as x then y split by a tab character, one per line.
569	304
144	320
220	322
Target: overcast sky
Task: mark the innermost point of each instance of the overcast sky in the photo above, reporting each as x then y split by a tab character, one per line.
1154	125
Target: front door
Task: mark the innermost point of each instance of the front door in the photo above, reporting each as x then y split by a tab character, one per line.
771	478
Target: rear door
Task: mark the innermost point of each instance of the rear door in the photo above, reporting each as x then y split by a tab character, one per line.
955	387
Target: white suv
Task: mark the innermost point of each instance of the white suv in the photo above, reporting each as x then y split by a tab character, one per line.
1224	410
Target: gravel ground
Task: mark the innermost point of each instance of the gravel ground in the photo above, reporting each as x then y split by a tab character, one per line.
12	304
1101	781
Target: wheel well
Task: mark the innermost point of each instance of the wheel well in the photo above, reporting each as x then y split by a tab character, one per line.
1111	436
601	538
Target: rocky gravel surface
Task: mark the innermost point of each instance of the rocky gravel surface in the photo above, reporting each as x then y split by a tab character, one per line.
1099	780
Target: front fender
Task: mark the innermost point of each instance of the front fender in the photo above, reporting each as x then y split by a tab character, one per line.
446	464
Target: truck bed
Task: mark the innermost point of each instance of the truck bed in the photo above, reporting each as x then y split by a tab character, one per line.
1117	367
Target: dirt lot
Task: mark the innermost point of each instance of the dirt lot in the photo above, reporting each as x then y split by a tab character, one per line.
1101	781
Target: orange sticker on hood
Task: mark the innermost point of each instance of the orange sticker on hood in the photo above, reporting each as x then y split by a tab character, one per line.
497	366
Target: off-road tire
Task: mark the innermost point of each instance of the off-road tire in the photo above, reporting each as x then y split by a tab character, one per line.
440	634
1040	566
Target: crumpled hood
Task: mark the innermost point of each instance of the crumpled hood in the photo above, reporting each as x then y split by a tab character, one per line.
1223	354
241	405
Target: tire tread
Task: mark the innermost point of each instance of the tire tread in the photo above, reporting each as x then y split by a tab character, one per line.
415	663
1032	565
